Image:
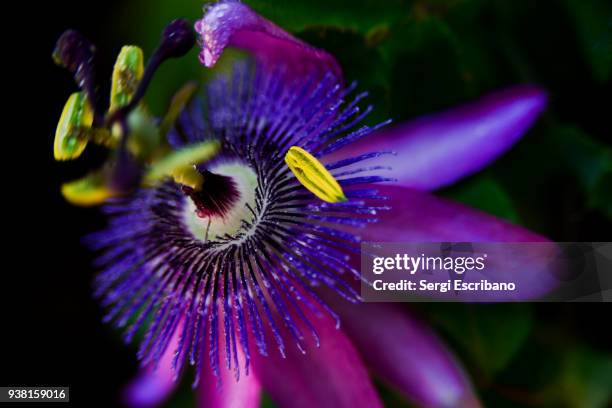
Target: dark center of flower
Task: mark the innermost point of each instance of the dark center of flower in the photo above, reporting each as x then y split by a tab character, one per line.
217	196
221	208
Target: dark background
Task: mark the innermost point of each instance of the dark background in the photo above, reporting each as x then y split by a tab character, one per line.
52	332
415	57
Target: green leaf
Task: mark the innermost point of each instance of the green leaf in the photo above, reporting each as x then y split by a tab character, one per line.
593	23
587	379
485	193
347	14
555	371
426	72
589	161
489	335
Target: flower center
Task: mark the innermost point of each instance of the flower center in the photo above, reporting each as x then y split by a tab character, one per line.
221	208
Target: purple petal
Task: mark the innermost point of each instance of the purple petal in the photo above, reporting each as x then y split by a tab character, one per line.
417	216
406	354
234	24
225	391
153	385
332	375
439	149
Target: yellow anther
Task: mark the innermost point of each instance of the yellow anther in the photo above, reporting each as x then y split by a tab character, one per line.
127	73
313	175
87	191
70	135
179	164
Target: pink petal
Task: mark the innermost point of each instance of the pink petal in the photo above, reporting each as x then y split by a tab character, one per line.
416	216
396	345
439	149
225	391
332	375
406	354
233	24
153	386
421	217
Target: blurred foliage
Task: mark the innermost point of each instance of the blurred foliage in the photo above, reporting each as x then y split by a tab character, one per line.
593	25
553	372
589	162
484	192
420	56
476	329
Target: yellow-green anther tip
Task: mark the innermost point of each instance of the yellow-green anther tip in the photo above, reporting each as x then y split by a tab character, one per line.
76	119
127	73
311	173
178	164
87	191
188	176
